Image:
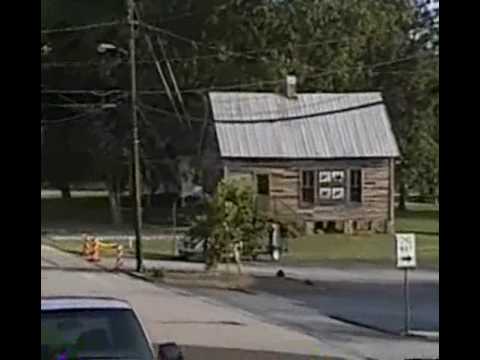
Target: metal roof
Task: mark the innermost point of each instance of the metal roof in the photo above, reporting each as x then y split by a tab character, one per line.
82	303
312	126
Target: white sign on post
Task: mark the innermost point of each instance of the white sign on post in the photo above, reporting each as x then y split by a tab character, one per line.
406	252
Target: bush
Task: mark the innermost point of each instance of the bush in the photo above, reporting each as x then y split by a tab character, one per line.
231	219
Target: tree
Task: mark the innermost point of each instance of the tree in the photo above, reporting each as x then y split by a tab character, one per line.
65	161
231	222
332	46
412	95
344	46
109	141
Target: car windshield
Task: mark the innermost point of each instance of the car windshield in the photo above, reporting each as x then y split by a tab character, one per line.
93	334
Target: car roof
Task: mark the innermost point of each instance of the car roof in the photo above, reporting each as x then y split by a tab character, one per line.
53	303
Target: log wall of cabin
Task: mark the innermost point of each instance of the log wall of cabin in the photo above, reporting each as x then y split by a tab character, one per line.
285	186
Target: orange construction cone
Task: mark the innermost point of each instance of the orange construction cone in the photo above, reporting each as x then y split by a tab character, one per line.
86	245
119	260
95	251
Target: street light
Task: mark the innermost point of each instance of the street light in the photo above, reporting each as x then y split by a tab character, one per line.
104	48
108	106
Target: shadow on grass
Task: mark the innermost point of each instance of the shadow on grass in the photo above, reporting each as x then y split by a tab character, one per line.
147	255
95	211
168	257
418	214
159	256
427	233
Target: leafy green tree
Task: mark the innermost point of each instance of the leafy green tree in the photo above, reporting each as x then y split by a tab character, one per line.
344	46
332	46
231	221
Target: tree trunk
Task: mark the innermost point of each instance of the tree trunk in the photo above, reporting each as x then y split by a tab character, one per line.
212	260
402	205
148	198
148	188
118	198
114	200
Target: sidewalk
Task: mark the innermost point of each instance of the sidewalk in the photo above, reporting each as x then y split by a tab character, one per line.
318	274
190	318
173	315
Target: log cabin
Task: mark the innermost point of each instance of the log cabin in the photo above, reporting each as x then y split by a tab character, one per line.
318	161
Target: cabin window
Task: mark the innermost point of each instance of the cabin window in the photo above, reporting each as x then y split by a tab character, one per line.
263	184
356	185
308	186
331	186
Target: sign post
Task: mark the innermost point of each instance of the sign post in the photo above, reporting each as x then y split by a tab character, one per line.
406	300
406	259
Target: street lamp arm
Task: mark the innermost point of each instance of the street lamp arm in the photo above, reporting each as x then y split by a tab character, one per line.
104	48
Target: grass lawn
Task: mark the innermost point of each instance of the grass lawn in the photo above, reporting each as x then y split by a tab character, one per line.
91	211
421	219
371	248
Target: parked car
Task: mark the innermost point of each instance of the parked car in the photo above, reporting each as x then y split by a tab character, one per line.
96	328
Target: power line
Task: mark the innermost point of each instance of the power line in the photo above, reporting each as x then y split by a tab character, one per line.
195	43
95	92
102	106
275	82
168	113
301	117
177	17
276	119
197	119
193	58
64	64
172	77
254	83
169	33
77	117
81	27
162	75
217	54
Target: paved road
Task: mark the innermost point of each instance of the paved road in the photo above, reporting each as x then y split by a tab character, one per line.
358	342
272	320
380	306
369	296
345	293
361	295
173	315
200	353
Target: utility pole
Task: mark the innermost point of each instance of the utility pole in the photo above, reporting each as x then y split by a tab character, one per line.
136	142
